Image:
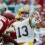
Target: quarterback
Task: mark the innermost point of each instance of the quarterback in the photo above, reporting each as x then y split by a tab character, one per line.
24	26
4	23
27	24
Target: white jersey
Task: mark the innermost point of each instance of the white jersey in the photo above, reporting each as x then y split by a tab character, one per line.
39	34
25	30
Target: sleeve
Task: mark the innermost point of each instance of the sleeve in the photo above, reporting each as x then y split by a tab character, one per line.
13	28
33	22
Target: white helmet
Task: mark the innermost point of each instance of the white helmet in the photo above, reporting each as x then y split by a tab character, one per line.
2	9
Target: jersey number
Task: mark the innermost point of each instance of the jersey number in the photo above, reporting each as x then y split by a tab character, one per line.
1	24
26	30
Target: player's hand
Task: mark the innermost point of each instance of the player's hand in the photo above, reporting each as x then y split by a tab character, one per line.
35	14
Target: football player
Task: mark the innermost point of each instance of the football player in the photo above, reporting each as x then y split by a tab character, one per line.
37	16
39	31
11	18
25	26
3	25
23	13
38	35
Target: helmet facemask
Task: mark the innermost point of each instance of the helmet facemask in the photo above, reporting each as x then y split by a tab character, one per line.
24	15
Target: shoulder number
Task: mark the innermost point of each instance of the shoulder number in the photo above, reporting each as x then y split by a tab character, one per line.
1	24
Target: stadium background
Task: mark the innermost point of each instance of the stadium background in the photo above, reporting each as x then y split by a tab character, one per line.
15	5
32	5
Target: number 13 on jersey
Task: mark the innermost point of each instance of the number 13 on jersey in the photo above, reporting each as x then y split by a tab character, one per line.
24	32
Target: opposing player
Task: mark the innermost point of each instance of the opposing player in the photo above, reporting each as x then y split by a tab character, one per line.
3	25
11	18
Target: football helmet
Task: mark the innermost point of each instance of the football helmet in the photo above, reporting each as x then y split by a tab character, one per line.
21	12
10	16
2	9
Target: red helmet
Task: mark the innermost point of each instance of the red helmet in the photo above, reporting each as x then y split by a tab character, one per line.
10	16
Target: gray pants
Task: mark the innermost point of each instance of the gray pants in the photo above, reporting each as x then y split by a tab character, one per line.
7	43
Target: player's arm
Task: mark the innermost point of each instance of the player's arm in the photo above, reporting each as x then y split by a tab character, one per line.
40	24
34	22
9	38
11	29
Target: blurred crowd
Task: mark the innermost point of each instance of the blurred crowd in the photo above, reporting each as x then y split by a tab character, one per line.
32	5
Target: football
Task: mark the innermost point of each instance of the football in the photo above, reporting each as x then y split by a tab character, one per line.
10	16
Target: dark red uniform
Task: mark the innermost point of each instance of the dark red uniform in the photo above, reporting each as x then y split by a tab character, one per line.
3	24
13	35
